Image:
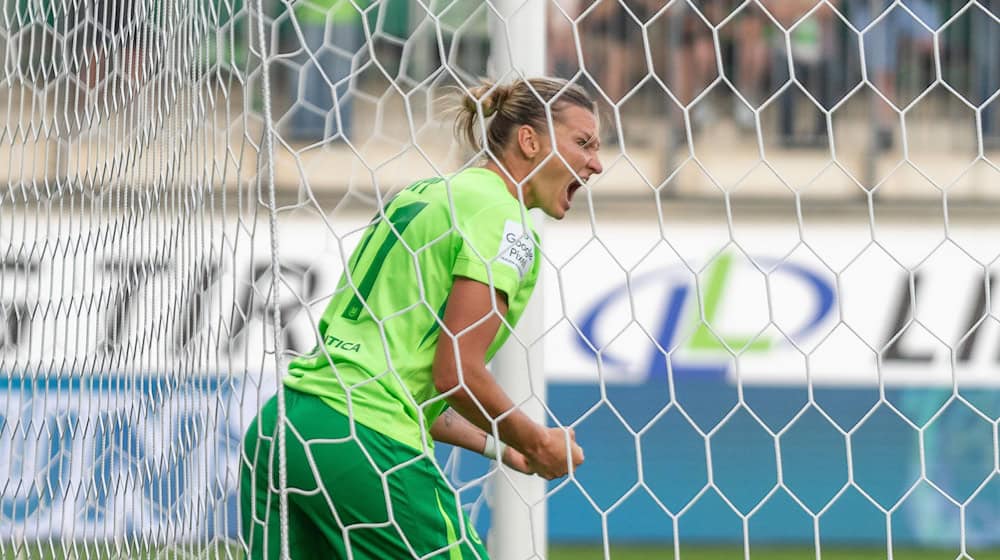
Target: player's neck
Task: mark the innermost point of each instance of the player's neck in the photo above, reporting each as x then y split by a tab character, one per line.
511	175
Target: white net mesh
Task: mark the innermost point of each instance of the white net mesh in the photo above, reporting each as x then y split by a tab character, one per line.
769	320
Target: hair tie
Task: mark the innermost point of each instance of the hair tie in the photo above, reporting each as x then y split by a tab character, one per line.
497	99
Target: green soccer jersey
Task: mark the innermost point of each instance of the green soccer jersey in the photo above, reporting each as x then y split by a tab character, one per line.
381	328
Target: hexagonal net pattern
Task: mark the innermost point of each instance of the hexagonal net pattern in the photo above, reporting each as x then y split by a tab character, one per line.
231	231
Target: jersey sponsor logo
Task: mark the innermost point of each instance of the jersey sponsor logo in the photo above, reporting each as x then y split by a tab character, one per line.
347	345
517	249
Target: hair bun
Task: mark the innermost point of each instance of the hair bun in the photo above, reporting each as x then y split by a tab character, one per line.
490	95
489	113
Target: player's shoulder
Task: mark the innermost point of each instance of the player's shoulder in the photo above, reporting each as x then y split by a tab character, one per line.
478	192
471	193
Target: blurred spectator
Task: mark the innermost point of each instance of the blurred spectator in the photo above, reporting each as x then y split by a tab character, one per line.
465	22
561	41
813	43
695	63
884	41
115	38
613	28
457	30
751	58
985	36
744	52
331	37
228	47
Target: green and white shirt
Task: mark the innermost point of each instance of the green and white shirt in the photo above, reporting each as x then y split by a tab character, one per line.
381	327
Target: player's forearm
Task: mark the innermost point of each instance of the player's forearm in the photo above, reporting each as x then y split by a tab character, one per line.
481	401
452	428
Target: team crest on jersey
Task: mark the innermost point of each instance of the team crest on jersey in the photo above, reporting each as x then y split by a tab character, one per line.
517	248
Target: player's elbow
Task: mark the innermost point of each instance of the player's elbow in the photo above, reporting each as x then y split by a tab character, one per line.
445	379
448	376
446	372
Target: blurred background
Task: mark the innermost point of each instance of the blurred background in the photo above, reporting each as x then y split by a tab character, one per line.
770	320
693	95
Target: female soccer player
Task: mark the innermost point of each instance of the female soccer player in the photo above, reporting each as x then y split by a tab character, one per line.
426	302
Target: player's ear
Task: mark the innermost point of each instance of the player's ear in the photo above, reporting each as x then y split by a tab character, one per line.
528	141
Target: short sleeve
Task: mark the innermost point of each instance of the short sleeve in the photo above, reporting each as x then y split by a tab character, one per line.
496	249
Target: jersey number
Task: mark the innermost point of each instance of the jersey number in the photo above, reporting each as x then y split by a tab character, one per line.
400	219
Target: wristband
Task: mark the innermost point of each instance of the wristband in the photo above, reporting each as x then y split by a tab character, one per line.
493	448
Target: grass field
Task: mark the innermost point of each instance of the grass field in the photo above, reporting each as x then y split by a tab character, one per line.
559	552
761	553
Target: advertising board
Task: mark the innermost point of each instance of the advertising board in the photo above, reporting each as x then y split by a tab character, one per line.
708	377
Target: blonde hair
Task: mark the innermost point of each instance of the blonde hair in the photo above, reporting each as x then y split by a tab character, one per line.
508	106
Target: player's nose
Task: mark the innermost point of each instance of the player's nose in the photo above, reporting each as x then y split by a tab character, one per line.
595	165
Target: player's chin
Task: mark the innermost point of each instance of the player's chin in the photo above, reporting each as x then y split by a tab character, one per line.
557	212
555	209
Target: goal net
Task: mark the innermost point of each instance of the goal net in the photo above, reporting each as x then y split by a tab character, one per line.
769	321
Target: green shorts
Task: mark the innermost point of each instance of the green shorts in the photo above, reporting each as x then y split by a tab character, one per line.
363	497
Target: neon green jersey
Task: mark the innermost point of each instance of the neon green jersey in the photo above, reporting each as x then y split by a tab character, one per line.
381	328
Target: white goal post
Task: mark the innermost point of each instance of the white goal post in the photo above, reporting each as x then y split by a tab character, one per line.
770	320
518	49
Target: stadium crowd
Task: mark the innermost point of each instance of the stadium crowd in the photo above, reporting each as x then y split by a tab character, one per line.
723	60
822	47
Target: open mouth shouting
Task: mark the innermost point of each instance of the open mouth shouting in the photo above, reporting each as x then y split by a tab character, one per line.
571	189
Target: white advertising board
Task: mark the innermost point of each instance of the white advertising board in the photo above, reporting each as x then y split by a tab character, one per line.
629	305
